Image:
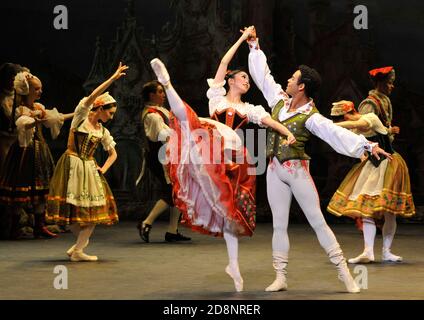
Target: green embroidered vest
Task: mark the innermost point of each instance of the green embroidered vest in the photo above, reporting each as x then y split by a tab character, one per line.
296	124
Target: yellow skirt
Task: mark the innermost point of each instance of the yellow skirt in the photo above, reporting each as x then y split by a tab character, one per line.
368	191
61	211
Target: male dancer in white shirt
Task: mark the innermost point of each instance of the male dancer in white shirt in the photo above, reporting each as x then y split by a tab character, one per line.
288	171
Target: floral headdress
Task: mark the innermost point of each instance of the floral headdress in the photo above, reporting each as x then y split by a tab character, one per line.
342	107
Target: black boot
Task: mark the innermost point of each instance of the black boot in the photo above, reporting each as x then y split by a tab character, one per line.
172	237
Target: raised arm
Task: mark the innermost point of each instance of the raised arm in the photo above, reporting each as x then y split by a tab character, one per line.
261	75
102	88
225	61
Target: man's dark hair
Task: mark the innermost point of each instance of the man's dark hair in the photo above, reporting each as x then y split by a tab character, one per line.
311	78
148	88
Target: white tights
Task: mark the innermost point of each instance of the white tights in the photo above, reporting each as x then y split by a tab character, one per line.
82	233
389	231
282	184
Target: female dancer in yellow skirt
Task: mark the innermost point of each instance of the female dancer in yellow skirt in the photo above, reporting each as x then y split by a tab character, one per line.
372	190
79	194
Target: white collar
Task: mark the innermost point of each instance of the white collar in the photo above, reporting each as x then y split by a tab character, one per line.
305	109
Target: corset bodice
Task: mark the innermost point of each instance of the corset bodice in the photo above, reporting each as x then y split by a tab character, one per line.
83	144
231	117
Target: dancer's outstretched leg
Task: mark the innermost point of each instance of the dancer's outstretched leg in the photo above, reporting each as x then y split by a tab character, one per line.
369	231
232	269
179	109
175	102
389	230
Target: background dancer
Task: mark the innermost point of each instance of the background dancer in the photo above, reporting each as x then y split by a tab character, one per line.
372	190
79	193
155	119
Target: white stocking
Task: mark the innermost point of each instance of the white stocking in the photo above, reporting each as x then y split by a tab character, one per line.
84	236
389	230
369	231
232	269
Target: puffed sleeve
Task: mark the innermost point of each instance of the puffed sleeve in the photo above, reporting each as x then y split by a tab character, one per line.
255	114
23	118
375	123
81	113
53	120
107	140
216	93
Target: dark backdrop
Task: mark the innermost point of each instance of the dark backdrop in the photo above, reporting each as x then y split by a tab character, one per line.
191	36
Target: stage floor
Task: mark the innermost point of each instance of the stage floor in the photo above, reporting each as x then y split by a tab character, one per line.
131	269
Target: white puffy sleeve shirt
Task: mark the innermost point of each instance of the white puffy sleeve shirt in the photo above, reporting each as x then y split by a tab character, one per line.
341	140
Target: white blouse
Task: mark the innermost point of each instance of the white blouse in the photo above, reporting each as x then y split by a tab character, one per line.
25	116
218	102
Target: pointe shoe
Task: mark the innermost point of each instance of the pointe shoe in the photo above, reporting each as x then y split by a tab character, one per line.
160	71
78	255
387	256
279	284
71	249
345	276
235	275
364	257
